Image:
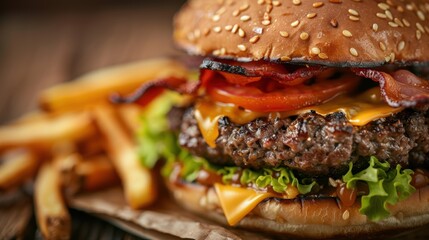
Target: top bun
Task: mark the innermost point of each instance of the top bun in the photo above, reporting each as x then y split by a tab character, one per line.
330	32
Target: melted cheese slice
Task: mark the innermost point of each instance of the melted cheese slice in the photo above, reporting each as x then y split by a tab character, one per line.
237	202
359	110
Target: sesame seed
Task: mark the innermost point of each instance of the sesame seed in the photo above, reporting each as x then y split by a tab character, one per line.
421	15
234	28
397	21
303	36
323	55
354	18
392	24
418	34
406	23
260	2
245	18
317	4
267	16
241	47
401	45
420	27
269	8
388	14
400	9
315	50
285	58
241	33
346	215
387	58
427	29
347	33
353	12
334	23
216	52
284	34
276	3
216	18
236	13
266	22
296	2
383	6
206	31
217	29
353	52
381	15
409	7
244	7
382	46
254	39
375	27
295	23
311	15
228	27
392	57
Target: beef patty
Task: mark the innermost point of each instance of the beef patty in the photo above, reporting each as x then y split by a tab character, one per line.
310	143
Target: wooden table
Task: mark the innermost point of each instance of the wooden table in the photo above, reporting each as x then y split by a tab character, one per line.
41	48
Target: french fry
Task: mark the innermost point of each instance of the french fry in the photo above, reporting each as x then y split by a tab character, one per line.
96	87
96	173
42	133
92	174
53	218
138	181
17	167
130	116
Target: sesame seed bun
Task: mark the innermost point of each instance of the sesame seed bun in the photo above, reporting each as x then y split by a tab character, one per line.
319	218
329	32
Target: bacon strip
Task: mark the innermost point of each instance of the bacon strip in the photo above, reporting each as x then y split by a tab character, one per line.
150	90
285	75
400	89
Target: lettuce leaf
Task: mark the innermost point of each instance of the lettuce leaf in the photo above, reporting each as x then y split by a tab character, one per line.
279	179
386	186
154	138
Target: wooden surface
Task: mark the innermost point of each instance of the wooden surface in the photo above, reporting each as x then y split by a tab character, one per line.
41	48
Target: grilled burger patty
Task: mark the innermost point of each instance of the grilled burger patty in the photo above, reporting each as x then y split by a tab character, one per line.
309	143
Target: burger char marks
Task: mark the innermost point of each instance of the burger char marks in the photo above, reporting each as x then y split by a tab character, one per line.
311	143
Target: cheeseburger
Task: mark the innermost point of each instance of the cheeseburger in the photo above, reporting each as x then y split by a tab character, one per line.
308	118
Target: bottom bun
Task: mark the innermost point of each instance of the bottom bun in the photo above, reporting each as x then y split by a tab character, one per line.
308	218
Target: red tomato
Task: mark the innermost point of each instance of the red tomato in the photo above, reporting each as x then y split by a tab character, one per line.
269	96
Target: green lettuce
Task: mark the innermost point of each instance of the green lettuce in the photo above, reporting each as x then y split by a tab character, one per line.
386	187
279	179
154	138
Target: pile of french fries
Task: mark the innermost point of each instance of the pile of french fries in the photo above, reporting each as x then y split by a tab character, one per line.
79	141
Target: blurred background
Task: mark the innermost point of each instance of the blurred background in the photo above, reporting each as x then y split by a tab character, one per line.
44	42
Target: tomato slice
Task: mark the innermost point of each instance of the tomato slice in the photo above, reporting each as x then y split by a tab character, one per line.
269	96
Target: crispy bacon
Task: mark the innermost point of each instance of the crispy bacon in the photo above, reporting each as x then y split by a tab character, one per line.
150	90
400	89
289	76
